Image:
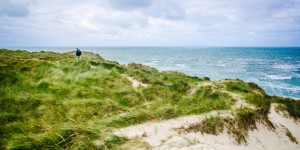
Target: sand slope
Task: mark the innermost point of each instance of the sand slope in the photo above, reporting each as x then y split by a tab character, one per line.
161	135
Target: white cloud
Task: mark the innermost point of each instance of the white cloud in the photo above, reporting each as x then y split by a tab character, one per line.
251	33
150	22
87	24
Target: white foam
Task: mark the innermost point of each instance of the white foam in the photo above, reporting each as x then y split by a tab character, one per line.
285	66
151	64
287	87
155	61
276	77
182	66
222	65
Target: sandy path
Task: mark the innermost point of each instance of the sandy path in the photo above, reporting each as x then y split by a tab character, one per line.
156	133
135	83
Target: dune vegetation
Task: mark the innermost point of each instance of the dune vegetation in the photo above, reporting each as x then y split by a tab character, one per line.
53	101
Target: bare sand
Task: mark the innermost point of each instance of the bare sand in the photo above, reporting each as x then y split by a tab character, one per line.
135	83
161	135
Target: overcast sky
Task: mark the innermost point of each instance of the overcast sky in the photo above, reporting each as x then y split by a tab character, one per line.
149	22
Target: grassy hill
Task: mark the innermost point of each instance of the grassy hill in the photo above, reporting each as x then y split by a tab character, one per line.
51	100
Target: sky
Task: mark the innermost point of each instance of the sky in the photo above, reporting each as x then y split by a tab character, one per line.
149	22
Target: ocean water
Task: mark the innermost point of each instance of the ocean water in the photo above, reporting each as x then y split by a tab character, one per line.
275	69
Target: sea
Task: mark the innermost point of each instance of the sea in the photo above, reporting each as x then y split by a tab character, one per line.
275	69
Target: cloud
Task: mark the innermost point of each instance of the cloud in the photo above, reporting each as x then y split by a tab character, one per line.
129	4
250	33
14	8
150	22
168	9
87	24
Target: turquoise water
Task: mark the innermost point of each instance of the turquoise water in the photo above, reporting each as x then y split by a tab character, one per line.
276	70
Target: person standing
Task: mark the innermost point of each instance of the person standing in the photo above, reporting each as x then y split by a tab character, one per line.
78	53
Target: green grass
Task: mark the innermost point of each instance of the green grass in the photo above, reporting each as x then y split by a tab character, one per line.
52	101
238	86
204	100
292	106
244	120
212	125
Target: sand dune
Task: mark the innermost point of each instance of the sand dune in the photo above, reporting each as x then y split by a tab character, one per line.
161	135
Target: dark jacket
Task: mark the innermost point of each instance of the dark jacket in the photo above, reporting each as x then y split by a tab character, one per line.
78	52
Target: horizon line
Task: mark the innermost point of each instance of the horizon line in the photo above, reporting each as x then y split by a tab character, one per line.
149	46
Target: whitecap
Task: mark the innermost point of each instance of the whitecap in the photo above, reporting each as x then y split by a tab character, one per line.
276	77
285	66
222	65
282	89
155	61
181	66
151	64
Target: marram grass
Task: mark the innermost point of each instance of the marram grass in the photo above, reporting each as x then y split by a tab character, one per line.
52	101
